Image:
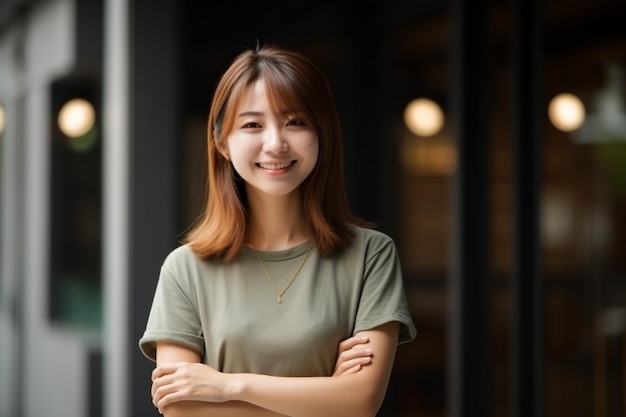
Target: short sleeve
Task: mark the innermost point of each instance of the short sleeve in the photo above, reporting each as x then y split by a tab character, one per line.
173	317
383	297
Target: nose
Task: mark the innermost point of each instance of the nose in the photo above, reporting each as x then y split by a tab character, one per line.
274	142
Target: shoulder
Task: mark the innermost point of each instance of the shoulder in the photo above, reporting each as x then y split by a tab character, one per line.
187	271
183	261
372	243
371	237
181	255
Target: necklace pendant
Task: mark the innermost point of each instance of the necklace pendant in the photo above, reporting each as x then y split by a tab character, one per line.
279	297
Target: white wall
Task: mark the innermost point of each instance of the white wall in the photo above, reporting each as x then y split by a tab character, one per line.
53	362
8	231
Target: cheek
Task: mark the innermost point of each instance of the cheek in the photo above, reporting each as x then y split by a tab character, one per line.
240	156
315	149
233	149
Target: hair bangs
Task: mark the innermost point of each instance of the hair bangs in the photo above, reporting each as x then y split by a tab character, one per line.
284	92
225	120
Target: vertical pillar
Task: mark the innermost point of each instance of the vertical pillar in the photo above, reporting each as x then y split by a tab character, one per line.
156	140
470	368
528	303
116	154
140	155
12	257
366	144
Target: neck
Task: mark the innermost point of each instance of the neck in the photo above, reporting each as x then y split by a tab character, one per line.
276	223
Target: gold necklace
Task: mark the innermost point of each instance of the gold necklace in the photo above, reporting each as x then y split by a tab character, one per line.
279	295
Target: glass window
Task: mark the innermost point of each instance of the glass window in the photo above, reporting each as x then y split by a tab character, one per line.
583	227
76	205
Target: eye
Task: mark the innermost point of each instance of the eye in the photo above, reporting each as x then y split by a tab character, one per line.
296	122
250	125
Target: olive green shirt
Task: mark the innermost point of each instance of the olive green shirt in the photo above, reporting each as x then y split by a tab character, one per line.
229	313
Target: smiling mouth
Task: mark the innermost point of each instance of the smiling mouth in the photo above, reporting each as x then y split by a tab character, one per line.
281	165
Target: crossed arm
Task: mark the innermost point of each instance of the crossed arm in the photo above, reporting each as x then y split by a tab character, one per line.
183	387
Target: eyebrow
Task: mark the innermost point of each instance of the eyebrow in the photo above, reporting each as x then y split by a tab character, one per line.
258	113
250	113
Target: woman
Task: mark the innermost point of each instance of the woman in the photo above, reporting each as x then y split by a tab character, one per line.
280	301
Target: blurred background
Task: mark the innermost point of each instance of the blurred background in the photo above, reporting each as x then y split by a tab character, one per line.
488	138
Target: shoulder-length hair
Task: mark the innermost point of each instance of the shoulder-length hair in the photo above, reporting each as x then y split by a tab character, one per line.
292	82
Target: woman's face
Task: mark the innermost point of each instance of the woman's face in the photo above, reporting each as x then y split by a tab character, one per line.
273	153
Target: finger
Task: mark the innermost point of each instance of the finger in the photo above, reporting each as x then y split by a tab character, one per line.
351	357
358	353
168	393
158	395
353	370
166	368
161	382
157	391
168	397
155	386
351	342
353	354
349	366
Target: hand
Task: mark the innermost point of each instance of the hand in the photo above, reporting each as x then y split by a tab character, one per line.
183	381
352	356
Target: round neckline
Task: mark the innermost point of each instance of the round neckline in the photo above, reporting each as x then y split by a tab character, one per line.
280	255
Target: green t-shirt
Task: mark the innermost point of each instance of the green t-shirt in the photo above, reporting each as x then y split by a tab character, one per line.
229	313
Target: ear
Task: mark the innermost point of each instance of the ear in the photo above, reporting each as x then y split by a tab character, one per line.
224	151
221	147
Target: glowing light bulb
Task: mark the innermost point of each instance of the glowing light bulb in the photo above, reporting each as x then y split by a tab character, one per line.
423	117
76	118
566	112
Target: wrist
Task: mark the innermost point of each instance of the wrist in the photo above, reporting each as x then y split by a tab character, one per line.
235	385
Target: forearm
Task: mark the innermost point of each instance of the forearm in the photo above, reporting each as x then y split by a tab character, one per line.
356	395
227	409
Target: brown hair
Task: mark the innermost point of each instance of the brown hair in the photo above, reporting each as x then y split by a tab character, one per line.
293	82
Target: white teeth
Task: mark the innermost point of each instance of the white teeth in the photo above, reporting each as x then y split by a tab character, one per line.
275	166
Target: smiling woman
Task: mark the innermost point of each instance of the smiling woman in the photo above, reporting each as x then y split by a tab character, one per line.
280	301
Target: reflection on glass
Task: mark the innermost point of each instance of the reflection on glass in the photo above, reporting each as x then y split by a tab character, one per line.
607	119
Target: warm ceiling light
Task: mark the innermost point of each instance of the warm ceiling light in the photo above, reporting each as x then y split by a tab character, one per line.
76	118
566	112
2	119
423	117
